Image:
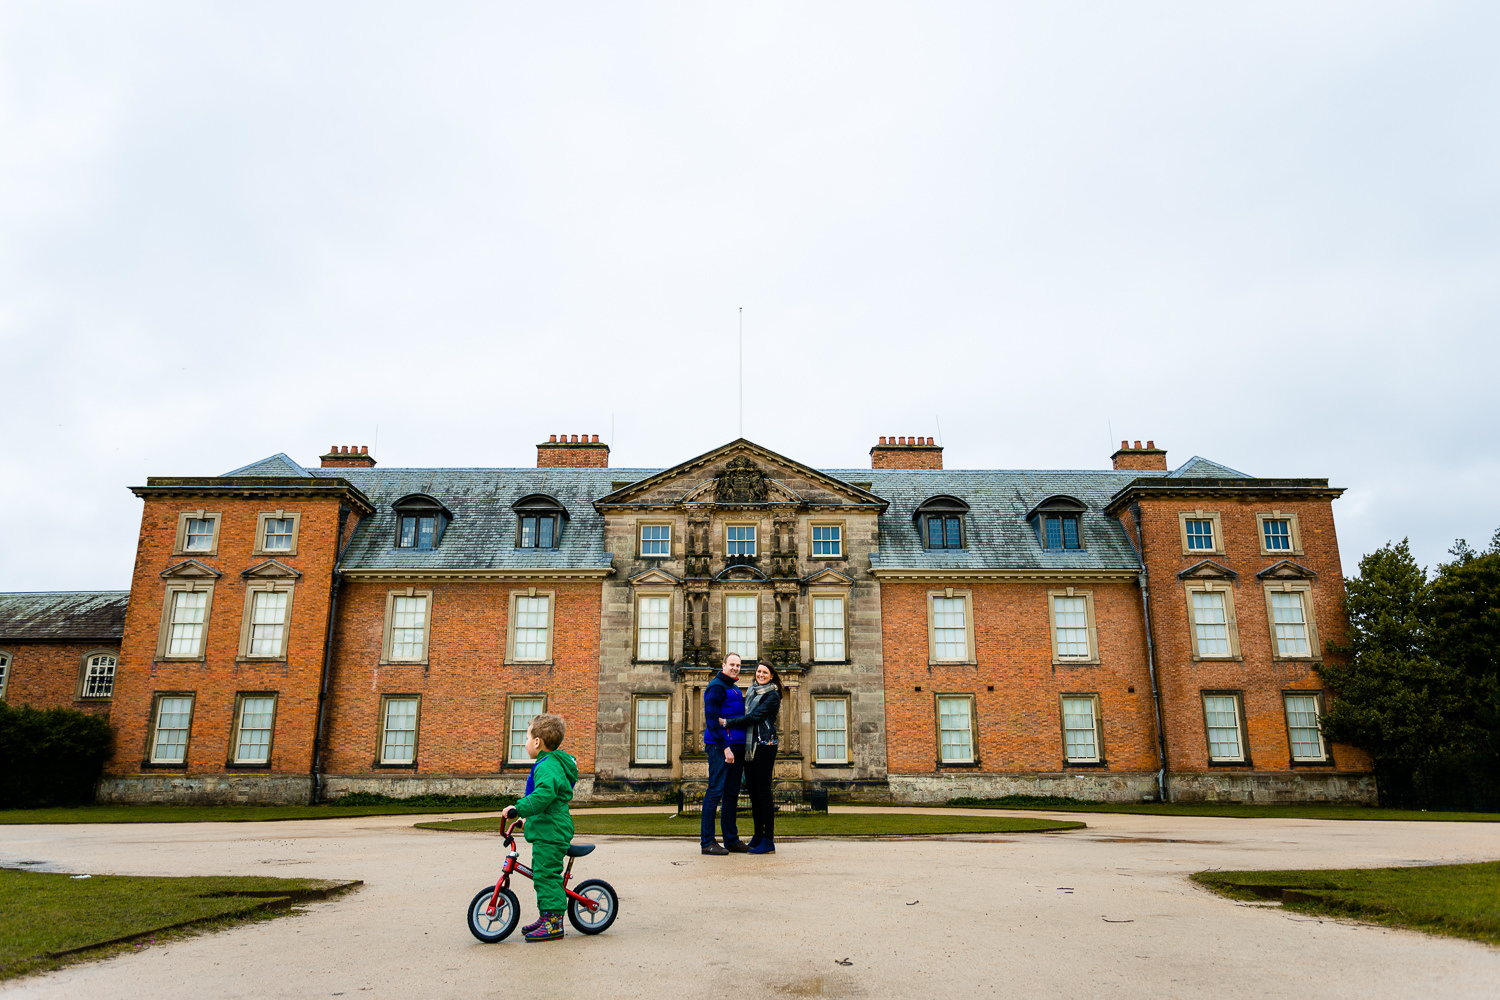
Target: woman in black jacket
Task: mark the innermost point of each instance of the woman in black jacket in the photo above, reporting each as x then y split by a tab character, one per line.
762	703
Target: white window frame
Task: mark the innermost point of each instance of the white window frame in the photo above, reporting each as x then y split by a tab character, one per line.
382	744
515	752
842	628
754	598
636	730
843	701
1294	533
754	539
837	541
241	701
1183	517
1309	623
5	661
1231	623
1092	699
388	645
179	544
1316	697
260	532
948	594
664	596
158	702
1238	701
1091	630
247	623
937	704
641	541
511	626
169	606
86	673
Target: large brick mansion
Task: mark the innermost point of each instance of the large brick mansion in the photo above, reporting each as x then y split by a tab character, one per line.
298	633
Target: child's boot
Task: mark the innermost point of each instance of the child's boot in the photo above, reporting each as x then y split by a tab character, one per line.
550	930
539	921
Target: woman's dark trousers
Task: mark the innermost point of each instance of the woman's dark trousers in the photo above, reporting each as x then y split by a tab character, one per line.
758	772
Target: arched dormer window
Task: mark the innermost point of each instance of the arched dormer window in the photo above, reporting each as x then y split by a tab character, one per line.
1058	521
941	523
539	522
420	521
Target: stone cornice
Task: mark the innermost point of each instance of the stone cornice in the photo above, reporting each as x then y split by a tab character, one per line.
256	486
1265	489
917	575
534	575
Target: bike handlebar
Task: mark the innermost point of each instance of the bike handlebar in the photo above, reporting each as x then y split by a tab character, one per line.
508	832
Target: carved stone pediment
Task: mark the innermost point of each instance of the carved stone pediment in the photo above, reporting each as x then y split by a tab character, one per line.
654	577
740	572
742	481
1208	570
828	578
190	569
1286	570
270	570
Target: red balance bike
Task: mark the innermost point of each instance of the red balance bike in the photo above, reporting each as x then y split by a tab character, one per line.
495	911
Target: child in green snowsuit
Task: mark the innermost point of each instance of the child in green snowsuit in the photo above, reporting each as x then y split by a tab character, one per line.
549	828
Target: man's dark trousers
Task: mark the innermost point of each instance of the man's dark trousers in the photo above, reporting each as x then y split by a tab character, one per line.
723	786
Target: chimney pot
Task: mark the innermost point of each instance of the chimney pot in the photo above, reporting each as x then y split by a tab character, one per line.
1150	444
552	439
364	449
1137	445
596	439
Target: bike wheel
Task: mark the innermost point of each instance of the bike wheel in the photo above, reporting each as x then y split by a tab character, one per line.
507	914
594	921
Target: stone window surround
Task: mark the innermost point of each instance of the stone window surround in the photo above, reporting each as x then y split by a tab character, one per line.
843	527
416	736
251	590
1239	706
968	598
937	730
510	700
385	642
1303	587
656	523
510	625
179	545
5	661
1099	758
635	625
1093	631
635	698
1231	622
83	673
760	626
1317	695
1294	533
163	635
234	730
824	594
755	539
260	532
847	759
1183	517
154	723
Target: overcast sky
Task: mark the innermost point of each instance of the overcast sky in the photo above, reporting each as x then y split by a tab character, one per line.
1265	233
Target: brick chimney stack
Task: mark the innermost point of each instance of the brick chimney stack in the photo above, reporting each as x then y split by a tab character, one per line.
348	457
557	452
1138	459
906	453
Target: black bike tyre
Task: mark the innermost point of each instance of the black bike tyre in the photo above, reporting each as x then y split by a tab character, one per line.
510	914
576	913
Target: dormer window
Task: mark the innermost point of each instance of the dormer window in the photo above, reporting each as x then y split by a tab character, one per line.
941	522
1058	521
420	521
539	522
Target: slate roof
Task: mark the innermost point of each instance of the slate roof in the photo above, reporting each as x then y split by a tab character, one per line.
998	534
77	615
482	532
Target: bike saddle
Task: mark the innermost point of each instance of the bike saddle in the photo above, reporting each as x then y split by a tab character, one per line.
579	850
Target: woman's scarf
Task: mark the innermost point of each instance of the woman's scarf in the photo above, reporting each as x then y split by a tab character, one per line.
754	695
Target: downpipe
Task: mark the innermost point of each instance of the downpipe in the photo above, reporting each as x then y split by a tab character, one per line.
324	680
1144	581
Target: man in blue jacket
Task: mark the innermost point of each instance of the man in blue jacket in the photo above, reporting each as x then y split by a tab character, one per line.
726	758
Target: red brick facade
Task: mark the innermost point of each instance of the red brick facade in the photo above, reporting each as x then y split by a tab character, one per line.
559	453
906	453
50	674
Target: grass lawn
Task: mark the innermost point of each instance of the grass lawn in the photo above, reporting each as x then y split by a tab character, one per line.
1458	900
1248	810
48	920
788	825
